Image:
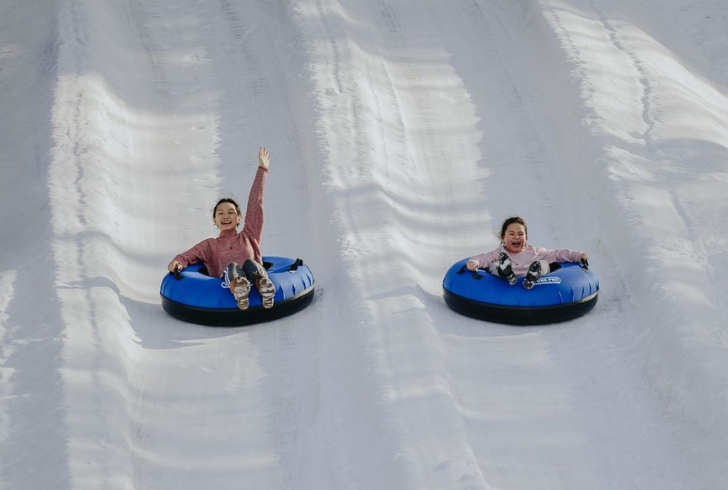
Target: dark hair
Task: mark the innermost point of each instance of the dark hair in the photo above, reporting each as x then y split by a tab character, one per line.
509	221
226	199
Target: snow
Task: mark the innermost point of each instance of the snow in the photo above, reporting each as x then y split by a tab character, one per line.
402	133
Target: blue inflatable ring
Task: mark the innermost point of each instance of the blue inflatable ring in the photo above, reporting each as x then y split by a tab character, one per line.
192	296
567	292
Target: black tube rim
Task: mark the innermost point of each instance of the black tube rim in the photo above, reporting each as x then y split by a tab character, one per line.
234	317
518	315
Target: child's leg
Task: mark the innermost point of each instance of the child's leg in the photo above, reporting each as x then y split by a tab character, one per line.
545	267
229	275
535	270
503	268
239	285
257	274
251	269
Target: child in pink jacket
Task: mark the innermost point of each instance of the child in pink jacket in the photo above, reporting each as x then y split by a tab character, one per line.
514	258
222	255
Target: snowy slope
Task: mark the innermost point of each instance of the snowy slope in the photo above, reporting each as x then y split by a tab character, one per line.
402	134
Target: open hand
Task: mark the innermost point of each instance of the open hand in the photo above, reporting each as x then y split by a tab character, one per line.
263	158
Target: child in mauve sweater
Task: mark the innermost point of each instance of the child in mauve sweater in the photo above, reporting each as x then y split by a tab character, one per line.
514	258
222	255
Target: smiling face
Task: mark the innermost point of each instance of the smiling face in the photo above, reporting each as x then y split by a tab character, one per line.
226	216
514	238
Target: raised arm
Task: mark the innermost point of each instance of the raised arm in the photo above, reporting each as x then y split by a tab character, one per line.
254	213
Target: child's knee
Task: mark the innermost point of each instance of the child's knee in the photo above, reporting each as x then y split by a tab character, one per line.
252	269
545	267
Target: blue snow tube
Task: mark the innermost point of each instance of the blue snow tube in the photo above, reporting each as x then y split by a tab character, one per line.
193	296
567	292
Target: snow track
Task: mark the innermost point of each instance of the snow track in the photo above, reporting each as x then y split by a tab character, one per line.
402	134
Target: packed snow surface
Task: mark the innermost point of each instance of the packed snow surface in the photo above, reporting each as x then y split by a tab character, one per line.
402	133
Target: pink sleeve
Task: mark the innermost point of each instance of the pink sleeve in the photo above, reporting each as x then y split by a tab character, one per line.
484	260
192	256
254	213
562	255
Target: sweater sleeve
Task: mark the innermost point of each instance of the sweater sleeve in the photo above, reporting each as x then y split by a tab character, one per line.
254	213
486	259
561	255
194	255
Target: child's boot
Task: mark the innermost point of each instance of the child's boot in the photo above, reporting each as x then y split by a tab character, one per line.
534	272
239	285
504	268
266	289
241	290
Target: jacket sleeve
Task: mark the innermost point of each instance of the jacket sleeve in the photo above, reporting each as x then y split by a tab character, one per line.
486	259
561	255
194	255
254	213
